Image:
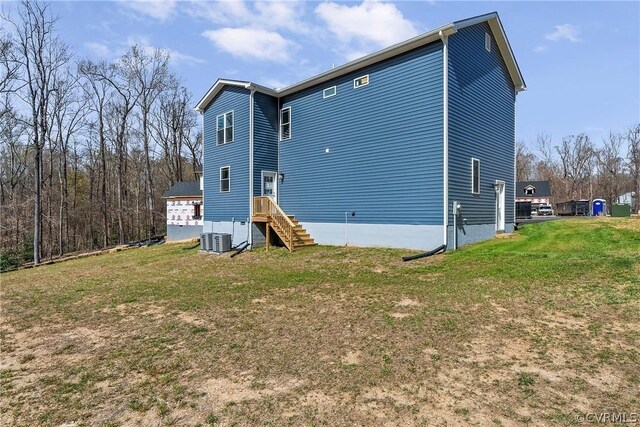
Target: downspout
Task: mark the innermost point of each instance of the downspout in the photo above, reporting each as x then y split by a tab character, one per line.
278	150
515	177
252	88
445	95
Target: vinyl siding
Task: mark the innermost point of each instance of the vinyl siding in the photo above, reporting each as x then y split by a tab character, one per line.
220	206
265	138
384	140
481	125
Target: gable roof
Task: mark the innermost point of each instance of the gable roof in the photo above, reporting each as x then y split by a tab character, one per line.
184	189
543	188
492	19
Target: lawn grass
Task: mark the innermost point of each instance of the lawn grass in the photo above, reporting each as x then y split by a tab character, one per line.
537	328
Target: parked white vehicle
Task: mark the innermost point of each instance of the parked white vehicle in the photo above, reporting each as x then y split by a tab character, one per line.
545	210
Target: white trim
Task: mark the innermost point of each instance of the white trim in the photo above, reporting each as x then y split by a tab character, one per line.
289	123
275	182
220	179
501	199
325	96
356	86
224	128
473	159
487	42
445	134
221	83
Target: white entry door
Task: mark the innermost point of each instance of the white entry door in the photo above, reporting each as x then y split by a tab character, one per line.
500	208
270	184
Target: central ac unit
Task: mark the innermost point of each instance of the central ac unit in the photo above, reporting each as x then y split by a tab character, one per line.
221	242
206	241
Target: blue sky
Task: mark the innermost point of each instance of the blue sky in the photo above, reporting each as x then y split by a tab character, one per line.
581	60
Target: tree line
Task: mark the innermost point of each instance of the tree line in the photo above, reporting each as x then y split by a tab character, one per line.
86	147
578	168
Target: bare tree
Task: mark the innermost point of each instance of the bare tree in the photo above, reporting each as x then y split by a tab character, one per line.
39	54
98	92
13	169
610	164
69	113
171	124
525	162
148	74
194	146
9	68
633	150
576	155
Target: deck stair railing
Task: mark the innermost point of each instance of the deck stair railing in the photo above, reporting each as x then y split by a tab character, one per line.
266	207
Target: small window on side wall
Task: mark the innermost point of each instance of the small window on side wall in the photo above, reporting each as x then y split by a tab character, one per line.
487	42
329	92
225	179
475	176
361	81
285	123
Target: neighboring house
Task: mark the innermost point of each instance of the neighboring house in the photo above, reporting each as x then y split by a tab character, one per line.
628	199
184	211
386	142
536	192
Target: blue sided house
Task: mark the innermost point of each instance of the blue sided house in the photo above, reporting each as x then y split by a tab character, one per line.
410	147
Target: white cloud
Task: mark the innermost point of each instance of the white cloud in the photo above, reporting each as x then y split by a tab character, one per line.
251	43
270	15
540	49
564	32
365	27
174	56
98	49
158	9
183	58
276	83
103	51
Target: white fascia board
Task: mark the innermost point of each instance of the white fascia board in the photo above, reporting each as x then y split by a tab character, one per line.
220	83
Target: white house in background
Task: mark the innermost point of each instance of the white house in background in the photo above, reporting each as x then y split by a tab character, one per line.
628	199
184	211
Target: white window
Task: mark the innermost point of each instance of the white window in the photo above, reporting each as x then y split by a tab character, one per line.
361	81
224	128
285	123
487	42
225	179
329	92
475	176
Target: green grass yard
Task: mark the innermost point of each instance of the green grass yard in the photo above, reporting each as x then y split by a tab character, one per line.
536	328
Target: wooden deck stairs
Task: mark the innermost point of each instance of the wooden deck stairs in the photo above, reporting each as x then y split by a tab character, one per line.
286	227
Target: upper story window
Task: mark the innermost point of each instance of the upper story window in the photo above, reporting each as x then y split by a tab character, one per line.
361	81
329	92
285	123
475	176
224	128
225	179
529	190
487	42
